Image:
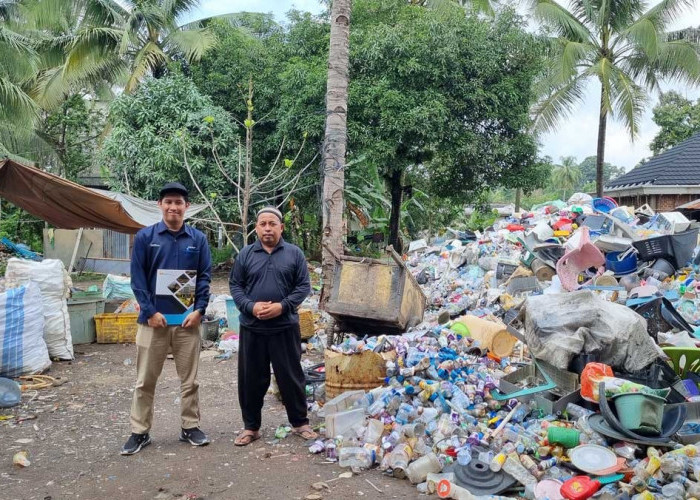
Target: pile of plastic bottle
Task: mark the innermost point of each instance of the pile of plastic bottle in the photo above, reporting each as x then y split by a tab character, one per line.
436	412
456	289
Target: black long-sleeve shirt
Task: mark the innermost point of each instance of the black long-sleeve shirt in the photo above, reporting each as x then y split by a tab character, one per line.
280	276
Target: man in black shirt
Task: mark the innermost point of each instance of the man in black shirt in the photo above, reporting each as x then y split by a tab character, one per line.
269	280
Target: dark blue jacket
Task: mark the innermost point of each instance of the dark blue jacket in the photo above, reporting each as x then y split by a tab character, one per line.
157	248
280	276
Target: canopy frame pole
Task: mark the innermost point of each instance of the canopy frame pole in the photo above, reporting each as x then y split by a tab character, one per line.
75	249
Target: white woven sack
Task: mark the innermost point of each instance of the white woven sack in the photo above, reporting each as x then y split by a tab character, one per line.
22	347
54	282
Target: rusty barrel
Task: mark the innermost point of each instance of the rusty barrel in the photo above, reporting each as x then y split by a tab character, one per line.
350	372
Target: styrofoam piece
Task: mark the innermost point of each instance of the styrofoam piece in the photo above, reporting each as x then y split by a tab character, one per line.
673	221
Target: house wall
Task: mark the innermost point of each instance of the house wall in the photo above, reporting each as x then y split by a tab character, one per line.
659	202
64	242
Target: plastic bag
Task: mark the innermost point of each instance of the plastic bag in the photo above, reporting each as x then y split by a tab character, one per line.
117	287
591	376
595	374
559	326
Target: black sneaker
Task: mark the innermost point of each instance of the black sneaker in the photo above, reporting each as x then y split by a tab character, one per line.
194	436
135	443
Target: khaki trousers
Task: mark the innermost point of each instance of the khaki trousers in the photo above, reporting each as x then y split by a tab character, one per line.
152	346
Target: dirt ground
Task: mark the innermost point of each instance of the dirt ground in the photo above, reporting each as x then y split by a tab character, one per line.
74	441
73	434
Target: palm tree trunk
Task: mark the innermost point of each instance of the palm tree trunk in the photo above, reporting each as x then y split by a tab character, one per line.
248	172
396	190
600	158
335	142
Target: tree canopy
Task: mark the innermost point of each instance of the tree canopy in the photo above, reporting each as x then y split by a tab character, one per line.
678	118
154	127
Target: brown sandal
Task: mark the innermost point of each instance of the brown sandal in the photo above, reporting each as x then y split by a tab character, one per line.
247	437
305	432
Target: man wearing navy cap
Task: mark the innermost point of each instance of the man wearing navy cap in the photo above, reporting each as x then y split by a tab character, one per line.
170	245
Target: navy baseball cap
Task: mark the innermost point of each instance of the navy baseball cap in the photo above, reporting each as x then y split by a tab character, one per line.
173	187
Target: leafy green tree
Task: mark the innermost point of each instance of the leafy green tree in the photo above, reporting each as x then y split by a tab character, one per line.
154	127
678	118
436	100
588	172
240	56
72	130
431	88
567	175
620	45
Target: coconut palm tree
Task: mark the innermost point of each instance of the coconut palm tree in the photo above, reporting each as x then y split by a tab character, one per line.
567	175
151	37
18	65
108	42
335	143
620	45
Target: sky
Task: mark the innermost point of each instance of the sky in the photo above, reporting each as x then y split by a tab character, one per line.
576	136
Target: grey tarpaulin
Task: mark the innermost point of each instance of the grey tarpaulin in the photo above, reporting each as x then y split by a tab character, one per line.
559	326
145	212
67	205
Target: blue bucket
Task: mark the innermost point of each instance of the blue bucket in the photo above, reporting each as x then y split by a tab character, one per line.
603	205
624	266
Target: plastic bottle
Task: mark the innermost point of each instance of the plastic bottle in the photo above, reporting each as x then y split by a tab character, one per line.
375	429
418	470
673	464
513	467
689	450
399	459
531	466
693	489
464	456
428	414
448	489
317	447
394	402
548	464
459	399
694	469
653	465
497	462
413	356
331	450
673	490
356	457
575	411
390	441
406	413
433	479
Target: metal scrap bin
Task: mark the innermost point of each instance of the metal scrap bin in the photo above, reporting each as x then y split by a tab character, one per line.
380	294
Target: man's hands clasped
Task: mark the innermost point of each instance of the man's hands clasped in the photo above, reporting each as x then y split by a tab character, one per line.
267	310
